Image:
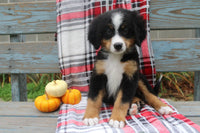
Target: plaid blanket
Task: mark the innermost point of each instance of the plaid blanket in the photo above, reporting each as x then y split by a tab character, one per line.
76	58
76	55
147	121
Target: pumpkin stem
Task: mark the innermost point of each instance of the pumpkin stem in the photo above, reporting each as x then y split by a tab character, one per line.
54	81
47	96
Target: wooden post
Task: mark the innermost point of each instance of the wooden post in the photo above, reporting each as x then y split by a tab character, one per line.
197	77
197	86
18	81
18	84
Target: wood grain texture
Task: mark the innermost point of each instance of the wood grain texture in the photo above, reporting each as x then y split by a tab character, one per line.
23	109
188	108
197	86
33	17
177	55
27	125
18	86
41	57
37	17
170	55
23	117
172	14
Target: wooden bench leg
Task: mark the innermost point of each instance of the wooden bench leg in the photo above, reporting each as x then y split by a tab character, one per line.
197	77
197	86
18	84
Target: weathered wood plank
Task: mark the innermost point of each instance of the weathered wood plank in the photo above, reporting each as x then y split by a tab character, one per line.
27	125
39	57
32	17
23	109
23	117
18	86
177	55
37	17
197	86
174	55
187	108
172	14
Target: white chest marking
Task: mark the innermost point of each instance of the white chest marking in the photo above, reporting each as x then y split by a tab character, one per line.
114	70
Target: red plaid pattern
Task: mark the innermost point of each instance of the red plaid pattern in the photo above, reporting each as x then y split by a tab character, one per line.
148	120
76	55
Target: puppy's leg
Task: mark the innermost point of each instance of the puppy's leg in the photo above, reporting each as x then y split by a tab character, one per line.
123	99
136	106
91	116
119	112
95	97
153	100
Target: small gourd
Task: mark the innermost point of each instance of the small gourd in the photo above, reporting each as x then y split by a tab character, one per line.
72	96
47	103
56	88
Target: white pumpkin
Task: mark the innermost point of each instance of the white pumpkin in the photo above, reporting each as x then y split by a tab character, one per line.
56	88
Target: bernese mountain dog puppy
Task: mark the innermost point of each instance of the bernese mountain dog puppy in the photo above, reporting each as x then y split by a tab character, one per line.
116	77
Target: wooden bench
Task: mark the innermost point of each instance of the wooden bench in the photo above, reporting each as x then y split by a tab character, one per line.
19	58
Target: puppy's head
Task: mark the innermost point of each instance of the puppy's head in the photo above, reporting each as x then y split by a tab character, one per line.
117	31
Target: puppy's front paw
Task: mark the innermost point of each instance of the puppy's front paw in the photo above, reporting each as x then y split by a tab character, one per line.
91	121
165	110
116	124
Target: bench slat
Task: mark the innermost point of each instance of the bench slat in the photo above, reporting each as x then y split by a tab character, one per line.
173	14
27	125
23	117
41	57
177	55
40	17
23	109
33	17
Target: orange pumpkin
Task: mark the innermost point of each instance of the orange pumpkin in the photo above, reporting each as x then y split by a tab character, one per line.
46	103
72	96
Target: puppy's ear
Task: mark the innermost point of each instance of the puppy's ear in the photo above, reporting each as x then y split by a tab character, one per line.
94	34
140	28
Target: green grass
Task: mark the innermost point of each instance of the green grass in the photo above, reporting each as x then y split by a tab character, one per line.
35	85
5	92
32	90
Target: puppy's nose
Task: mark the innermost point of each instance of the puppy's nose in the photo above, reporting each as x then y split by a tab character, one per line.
118	46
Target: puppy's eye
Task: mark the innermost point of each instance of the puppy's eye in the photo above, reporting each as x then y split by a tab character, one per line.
125	30
108	31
